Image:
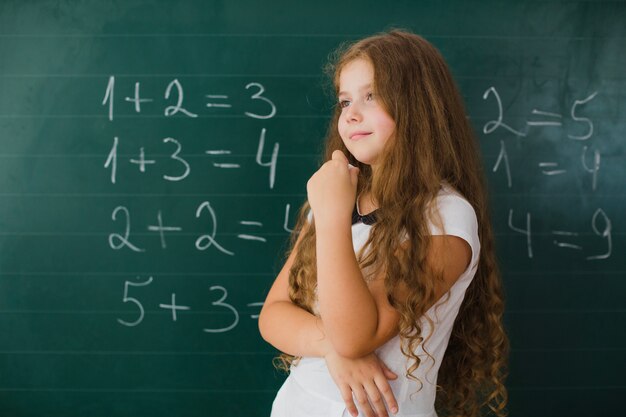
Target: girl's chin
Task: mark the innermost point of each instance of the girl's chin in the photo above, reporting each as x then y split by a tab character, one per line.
363	160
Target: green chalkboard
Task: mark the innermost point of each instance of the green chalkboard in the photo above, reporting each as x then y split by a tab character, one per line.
154	154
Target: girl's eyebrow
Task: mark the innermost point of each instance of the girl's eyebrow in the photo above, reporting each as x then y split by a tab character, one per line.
365	87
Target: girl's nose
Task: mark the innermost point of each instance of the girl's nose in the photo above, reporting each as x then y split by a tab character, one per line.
353	113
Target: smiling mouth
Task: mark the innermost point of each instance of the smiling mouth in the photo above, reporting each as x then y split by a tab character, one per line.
360	135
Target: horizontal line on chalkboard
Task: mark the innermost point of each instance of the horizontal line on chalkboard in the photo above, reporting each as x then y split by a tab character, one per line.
131	353
203	391
562	388
160	195
565	272
164	311
157	155
234	353
177	75
281	234
255	195
287	35
67	234
136	390
565	311
533	273
261	75
225	116
302	76
599	349
203	155
250	312
154	274
153	116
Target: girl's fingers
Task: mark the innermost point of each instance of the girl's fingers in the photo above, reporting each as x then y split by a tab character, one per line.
361	399
376	399
389	374
354	174
337	154
346	394
382	385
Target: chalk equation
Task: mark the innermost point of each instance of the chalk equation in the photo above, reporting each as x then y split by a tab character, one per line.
589	157
174	93
217	298
568	239
580	134
178	165
203	242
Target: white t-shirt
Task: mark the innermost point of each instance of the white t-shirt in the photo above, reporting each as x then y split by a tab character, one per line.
310	391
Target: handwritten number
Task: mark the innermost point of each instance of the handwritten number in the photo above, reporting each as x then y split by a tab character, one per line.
523	231
594	169
108	96
258	96
492	125
273	161
127	299
123	240
221	303
504	157
172	110
112	159
605	233
175	157
582	119
210	239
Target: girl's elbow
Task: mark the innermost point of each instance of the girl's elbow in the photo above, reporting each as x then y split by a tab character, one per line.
262	324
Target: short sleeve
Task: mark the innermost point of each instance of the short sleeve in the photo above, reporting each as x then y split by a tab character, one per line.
458	218
309	216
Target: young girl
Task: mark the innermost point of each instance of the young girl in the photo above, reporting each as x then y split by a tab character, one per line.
392	261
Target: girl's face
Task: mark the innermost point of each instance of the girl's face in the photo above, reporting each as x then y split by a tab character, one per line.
364	126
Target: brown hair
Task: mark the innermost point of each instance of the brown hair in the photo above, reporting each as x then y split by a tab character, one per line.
433	143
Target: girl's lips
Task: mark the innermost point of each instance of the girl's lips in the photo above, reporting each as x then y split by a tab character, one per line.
359	135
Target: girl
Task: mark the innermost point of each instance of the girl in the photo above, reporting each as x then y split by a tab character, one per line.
392	260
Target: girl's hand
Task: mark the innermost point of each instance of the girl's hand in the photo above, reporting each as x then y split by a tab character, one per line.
366	378
332	189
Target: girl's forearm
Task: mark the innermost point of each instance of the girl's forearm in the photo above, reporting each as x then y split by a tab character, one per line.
346	305
293	330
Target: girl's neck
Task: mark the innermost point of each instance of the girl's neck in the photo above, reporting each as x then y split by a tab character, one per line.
364	201
365	204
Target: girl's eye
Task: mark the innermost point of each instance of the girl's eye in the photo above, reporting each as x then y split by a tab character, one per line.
344	103
369	96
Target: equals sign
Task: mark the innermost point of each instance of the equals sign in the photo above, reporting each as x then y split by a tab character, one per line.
221	152
217	104
544	165
546	122
563	244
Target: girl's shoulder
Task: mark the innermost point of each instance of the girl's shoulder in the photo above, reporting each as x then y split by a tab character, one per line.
452	214
450	201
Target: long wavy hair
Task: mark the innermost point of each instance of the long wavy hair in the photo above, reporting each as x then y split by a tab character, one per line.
433	144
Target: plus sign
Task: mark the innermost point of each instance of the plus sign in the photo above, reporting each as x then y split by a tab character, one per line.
160	228
174	307
142	161
138	100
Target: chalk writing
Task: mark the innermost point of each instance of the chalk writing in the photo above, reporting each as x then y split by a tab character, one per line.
181	165
127	299
175	93
205	241
546	119
220	307
123	240
566	239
